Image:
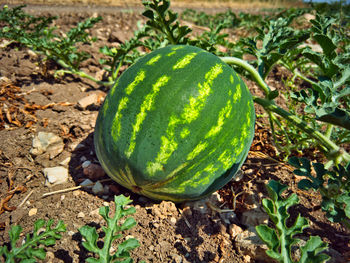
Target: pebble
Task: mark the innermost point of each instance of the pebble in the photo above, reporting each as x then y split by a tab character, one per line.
234	230
81	215
201	205
47	142
94	171
86	182
173	220
114	189
55	175
87	101
83	159
254	217
33	211
65	162
97	188
85	164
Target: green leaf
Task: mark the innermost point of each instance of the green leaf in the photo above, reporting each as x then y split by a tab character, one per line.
268	235
111	233
31	249
91	236
327	44
311	251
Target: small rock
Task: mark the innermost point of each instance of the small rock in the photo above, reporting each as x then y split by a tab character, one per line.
86	183
309	17
100	74
177	258
65	162
238	176
81	215
249	243
96	213
94	171
106	190
97	188
47	142
228	217
32	53
114	189
85	164
74	146
173	220
87	101
55	175
83	159
50	256
254	217
234	230
33	211
201	205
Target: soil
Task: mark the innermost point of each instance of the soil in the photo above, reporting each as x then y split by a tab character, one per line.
168	232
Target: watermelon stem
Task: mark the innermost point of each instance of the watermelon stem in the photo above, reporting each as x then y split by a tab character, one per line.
241	63
329	146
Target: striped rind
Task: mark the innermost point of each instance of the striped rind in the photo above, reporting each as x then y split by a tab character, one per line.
178	125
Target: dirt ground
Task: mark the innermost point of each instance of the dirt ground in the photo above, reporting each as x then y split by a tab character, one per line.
167	232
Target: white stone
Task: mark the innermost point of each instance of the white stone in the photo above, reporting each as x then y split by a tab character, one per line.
85	164
87	101
33	211
55	175
97	188
86	183
47	142
65	162
81	215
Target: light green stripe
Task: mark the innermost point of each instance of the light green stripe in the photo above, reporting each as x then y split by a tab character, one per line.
192	110
145	106
198	179
139	78
223	114
190	113
238	93
153	60
183	62
197	150
116	125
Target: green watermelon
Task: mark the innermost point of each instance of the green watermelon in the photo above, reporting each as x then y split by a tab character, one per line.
177	125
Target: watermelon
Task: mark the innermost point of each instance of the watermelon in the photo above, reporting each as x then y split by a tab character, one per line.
176	125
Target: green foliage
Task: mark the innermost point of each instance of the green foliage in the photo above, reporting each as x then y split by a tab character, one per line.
277	39
328	99
334	186
36	33
111	233
32	248
281	239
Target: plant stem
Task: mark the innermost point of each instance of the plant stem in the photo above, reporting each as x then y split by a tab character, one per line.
331	147
329	131
250	69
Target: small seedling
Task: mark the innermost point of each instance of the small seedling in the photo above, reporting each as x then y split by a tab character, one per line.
111	234
281	239
30	249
